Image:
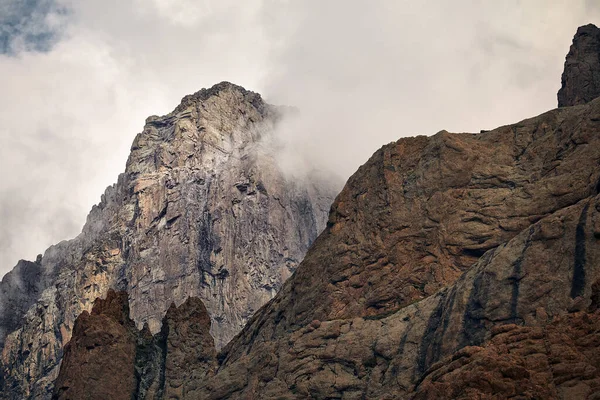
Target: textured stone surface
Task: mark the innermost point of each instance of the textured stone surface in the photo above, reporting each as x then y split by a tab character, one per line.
108	358
525	316
422	210
457	263
581	76
99	360
558	361
190	350
202	210
532	280
364	314
20	288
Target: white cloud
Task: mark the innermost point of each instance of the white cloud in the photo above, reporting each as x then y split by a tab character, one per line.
363	73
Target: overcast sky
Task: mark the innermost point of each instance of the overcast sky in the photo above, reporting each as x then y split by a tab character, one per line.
79	77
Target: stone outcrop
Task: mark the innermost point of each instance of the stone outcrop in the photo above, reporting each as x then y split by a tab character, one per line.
19	290
202	210
99	360
108	358
581	76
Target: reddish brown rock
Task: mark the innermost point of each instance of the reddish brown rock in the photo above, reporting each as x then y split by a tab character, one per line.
457	264
108	358
99	360
190	350
527	282
557	361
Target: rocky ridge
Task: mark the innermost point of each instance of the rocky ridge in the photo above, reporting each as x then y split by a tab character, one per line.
457	264
202	210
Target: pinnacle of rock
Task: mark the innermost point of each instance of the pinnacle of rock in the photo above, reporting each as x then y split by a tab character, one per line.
581	76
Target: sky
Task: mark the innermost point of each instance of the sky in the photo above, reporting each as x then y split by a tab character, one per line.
79	77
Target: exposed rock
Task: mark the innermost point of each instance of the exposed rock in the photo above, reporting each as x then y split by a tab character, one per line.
422	210
19	290
99	360
528	281
108	358
190	350
445	259
557	361
537	278
409	223
581	76
202	210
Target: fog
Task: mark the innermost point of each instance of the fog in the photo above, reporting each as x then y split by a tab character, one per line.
79	78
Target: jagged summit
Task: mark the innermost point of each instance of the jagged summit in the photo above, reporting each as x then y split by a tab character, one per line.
581	76
206	93
201	210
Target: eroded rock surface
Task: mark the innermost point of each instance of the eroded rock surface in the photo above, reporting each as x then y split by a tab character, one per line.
458	263
550	269
108	358
560	360
202	210
99	360
581	76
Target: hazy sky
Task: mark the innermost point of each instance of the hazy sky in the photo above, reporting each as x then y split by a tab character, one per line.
79	77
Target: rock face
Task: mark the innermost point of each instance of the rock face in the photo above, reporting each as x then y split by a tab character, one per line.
108	358
581	77
456	265
19	290
99	360
560	360
202	210
484	285
522	320
378	301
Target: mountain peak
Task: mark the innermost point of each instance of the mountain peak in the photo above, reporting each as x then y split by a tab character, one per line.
216	90
581	76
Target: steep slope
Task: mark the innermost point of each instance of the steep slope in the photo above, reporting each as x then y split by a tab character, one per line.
202	210
457	263
363	314
533	280
445	259
560	359
344	327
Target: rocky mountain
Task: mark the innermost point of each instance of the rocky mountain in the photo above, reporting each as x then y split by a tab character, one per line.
452	266
202	210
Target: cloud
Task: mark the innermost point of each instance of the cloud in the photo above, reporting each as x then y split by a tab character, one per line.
29	25
364	76
361	73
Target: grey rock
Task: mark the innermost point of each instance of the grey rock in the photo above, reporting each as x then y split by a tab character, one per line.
202	210
581	76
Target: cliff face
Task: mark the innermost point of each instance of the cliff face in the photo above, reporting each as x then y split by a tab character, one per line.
380	298
202	210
